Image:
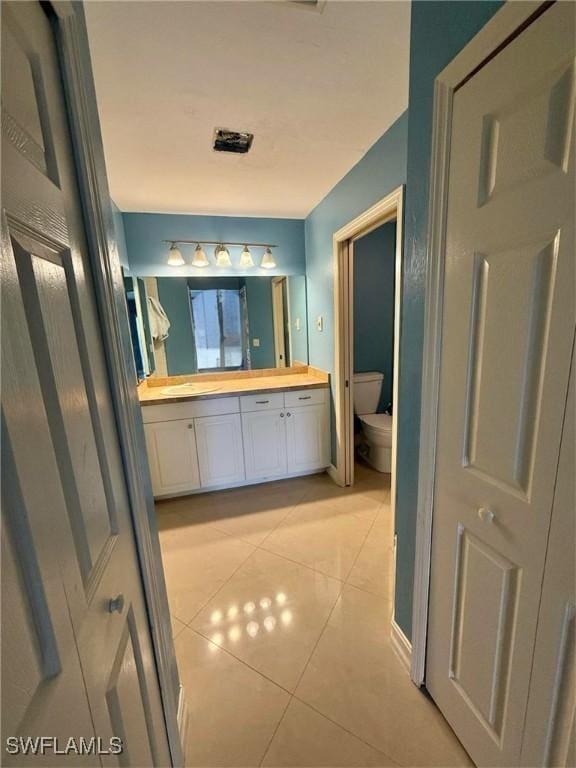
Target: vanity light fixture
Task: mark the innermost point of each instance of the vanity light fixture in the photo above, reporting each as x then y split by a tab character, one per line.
222	256
246	259
268	260
199	259
175	258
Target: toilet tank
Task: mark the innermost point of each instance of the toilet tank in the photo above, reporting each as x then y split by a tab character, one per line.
367	389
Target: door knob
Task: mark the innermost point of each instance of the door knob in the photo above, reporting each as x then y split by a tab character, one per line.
116	604
486	515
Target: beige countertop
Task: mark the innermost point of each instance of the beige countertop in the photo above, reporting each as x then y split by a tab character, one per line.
150	392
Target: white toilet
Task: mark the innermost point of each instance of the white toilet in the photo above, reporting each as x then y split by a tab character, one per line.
376	427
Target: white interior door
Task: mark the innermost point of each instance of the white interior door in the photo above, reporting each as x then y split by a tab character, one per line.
508	328
73	662
550	734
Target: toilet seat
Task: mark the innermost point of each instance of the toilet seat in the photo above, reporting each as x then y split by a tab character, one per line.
379	422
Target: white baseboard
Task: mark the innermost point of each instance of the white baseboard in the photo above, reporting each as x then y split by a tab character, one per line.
401	645
242	484
183	721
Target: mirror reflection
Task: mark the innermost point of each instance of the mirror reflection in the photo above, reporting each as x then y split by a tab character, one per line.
189	325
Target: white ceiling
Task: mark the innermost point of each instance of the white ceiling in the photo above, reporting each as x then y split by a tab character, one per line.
316	89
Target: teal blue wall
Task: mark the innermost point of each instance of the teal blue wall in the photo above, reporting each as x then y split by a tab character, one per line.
173	293
374	257
439	30
147	253
259	299
382	169
297	308
120	235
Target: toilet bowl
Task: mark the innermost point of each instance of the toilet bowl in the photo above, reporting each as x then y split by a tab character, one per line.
377	431
376	446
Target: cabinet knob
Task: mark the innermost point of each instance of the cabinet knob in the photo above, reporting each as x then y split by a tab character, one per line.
190	426
288	414
281	415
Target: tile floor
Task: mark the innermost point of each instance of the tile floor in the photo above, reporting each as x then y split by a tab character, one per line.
281	600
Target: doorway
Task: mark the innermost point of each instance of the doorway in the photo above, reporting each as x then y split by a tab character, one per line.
387	210
279	319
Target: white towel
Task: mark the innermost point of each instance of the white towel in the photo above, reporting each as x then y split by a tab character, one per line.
159	323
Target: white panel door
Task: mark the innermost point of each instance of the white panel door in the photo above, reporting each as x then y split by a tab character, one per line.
264	443
307	438
70	655
507	334
550	732
220	454
171	447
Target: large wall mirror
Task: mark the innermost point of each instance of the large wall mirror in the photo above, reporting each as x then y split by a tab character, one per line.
182	325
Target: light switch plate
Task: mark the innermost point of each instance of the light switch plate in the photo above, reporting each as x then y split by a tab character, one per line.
297	324
319	323
255	342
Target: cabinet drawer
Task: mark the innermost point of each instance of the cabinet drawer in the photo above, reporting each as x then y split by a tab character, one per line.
190	409
261	402
305	397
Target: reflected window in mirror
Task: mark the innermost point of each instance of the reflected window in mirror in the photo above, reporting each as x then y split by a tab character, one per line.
218	319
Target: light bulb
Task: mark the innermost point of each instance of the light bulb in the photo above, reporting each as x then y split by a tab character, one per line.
268	260
222	256
246	259
175	258
199	259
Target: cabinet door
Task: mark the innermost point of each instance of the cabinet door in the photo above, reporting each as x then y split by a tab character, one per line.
220	454
264	443
307	442
172	456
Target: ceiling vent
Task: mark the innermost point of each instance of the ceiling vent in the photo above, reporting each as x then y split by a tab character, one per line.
237	142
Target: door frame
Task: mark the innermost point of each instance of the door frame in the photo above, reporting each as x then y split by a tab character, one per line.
71	37
277	285
390	208
506	24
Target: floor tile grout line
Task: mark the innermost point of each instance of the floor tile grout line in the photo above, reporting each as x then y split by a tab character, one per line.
330	614
302	565
320	635
292	696
346	729
279	723
261	674
257	547
213	595
342	582
241	661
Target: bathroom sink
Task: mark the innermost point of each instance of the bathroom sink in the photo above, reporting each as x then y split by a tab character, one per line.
190	389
